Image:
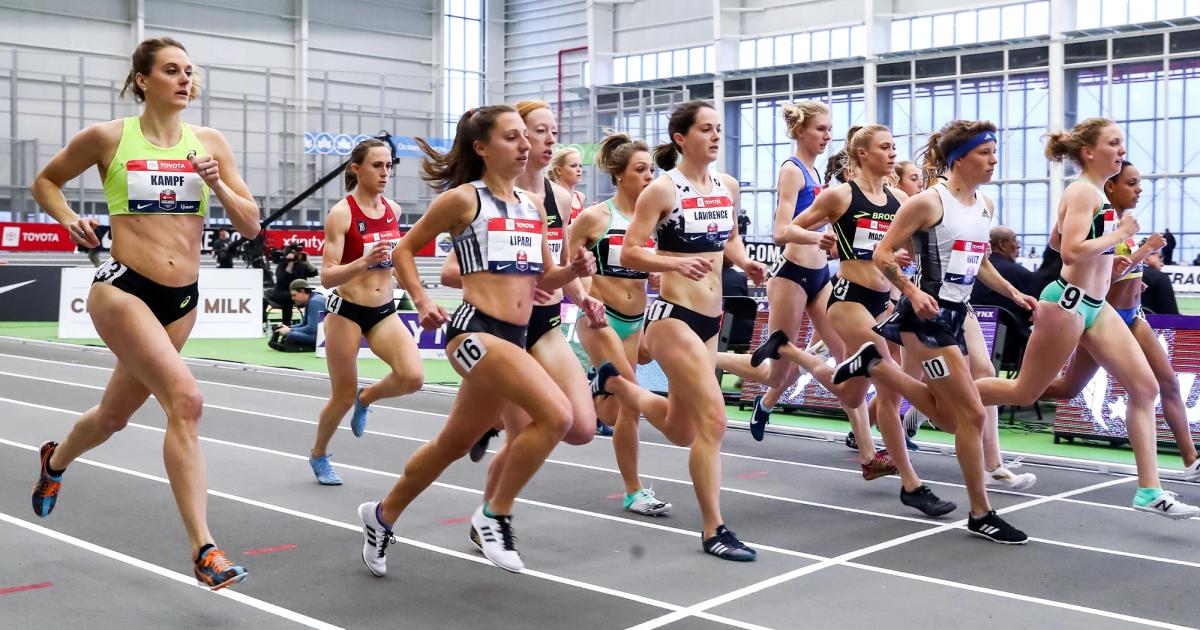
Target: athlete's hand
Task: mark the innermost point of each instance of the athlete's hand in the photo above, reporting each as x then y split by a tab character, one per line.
542	296
1121	264
82	232
1156	241
378	254
925	305
583	263
431	314
694	268
828	241
1129	225
903	257
1027	302
757	273
206	167
593	310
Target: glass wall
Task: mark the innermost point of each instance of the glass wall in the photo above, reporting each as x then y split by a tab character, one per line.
463	56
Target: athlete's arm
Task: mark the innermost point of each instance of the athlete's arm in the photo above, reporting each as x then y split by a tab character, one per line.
917	213
451	272
735	249
227	183
556	276
996	282
826	208
790	180
449	210
333	272
84	151
1080	201
655	202
1154	243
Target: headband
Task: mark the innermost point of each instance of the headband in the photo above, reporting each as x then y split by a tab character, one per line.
982	137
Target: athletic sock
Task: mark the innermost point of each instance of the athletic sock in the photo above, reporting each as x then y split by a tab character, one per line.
1145	496
202	550
379	516
54	473
486	511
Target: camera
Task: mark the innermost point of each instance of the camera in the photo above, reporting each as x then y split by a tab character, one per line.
293	250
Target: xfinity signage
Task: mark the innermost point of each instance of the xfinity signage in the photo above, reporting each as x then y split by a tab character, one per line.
230	305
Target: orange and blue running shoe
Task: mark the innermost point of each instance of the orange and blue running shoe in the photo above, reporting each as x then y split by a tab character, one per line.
45	492
215	571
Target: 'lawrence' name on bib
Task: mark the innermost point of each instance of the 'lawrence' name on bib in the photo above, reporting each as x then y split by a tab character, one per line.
514	246
163	186
708	217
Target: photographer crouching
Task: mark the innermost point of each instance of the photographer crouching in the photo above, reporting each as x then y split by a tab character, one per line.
292	264
302	338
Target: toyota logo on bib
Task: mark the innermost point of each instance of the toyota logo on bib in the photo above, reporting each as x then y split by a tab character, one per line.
166	199
522	260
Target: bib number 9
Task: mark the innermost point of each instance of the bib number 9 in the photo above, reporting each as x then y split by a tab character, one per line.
1071	297
469	352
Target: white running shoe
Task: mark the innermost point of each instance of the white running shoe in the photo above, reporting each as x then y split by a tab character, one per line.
1168	504
1003	478
819	349
1192	473
913	421
496	540
644	502
376	539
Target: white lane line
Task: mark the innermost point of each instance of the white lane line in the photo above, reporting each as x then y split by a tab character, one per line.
227	593
1023	598
356	528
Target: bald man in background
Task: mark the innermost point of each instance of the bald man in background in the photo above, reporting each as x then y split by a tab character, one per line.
1005	249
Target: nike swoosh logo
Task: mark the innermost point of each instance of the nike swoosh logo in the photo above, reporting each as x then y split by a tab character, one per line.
143	206
390	219
502	267
12	287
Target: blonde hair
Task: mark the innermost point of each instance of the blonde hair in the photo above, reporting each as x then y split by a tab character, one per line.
859	138
1070	143
560	161
797	115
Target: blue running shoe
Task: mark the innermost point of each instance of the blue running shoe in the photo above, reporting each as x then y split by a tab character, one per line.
324	471
912	446
358	422
215	571
603	429
758	421
45	492
727	546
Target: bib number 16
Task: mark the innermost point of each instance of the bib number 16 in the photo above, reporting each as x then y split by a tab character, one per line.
469	352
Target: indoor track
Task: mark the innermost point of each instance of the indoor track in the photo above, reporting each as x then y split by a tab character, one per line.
834	551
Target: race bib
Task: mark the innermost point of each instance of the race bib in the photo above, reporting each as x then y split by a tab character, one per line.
1105	222
163	186
388	238
615	242
965	259
1071	298
554	238
708	218
514	246
867	236
470	352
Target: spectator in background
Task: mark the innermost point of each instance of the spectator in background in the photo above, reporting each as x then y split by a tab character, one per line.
1168	251
293	266
1033	252
743	224
1196	261
1005	249
302	338
1159	295
223	249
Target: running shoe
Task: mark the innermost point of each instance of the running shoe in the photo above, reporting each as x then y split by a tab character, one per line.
819	350
495	538
480	448
376	539
45	491
644	502
1003	478
913	421
851	441
857	364
760	419
725	544
215	571
880	466
603	429
925	500
910	445
995	529
1167	504
358	421
606	371
769	349
1192	473
324	471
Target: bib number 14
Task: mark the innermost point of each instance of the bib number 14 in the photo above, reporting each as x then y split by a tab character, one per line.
470	352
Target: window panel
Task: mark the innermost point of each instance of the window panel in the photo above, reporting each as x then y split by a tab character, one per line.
1037	19
680	63
455	40
801	48
964	27
858	41
765	173
1087	14
900	35
1012	18
664	66
989	25
1114	12
649	67
943	30
783	50
922	37
766	52
710	58
473	59
839	43
635	68
820	45
619	70
746	54
696	63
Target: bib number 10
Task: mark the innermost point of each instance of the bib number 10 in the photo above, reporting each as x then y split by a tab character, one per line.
469	352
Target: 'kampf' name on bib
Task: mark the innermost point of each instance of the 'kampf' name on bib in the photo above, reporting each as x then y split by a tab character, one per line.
163	186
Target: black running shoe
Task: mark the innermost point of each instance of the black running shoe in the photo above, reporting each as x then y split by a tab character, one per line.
925	500
851	441
606	371
995	529
726	545
769	349
480	448
759	420
857	364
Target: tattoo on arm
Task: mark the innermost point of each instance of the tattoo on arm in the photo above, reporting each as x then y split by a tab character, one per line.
894	274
